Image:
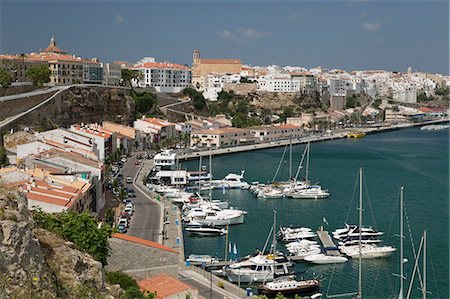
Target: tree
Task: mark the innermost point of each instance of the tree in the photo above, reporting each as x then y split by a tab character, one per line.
109	217
129	75
80	228
245	80
5	79
144	101
3	157
39	74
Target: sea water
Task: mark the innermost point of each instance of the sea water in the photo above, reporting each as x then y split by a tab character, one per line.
415	159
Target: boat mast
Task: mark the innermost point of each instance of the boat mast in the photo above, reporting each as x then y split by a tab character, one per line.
226	245
400	295
199	174
274	240
210	173
360	230
290	157
307	162
424	287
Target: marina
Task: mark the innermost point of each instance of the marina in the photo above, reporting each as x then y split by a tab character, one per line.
310	213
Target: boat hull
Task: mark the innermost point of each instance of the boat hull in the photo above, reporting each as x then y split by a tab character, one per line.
301	290
221	222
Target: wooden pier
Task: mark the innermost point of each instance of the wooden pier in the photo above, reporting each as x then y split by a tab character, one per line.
328	246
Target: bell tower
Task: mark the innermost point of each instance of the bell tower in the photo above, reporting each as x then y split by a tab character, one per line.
196	57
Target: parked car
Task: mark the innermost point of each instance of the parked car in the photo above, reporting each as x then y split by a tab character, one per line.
129	180
128	209
137	162
125	215
123	221
122	229
127	201
123	160
131	193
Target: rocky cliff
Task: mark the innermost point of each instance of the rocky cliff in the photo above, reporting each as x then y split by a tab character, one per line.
80	104
35	263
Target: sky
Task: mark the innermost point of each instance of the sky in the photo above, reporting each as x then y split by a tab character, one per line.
349	35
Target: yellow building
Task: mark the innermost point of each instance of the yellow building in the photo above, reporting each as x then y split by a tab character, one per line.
203	67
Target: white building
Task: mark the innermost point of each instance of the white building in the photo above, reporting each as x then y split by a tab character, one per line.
158	129
164	76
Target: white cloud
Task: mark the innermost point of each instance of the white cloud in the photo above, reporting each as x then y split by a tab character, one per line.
374	26
242	34
226	34
119	18
252	33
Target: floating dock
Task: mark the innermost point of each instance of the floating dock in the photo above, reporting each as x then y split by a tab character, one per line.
328	246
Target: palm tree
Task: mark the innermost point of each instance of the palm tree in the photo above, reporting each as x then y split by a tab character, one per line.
22	63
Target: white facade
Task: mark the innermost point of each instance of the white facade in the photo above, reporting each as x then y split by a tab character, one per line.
164	76
338	87
404	93
183	128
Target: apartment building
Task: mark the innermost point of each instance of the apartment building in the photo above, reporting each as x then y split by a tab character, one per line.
163	76
106	142
276	132
223	137
156	128
63	162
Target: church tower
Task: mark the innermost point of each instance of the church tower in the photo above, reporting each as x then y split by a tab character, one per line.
196	57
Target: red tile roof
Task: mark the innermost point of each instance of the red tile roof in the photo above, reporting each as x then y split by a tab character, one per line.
143	242
221	131
161	65
164	285
220	61
158	122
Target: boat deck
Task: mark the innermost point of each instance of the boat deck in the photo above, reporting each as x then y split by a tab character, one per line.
328	246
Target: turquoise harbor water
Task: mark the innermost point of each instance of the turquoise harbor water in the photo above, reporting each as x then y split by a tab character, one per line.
418	160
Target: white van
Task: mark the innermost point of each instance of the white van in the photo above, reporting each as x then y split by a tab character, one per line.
129	180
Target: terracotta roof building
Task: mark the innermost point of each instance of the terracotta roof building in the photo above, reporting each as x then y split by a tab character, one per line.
167	287
203	67
223	137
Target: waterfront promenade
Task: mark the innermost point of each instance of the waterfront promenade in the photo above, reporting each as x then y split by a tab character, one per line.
340	133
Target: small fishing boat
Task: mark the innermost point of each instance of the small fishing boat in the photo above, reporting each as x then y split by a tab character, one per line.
325	259
289	286
199	259
356	135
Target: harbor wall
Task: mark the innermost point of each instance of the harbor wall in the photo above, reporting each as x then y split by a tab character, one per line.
336	135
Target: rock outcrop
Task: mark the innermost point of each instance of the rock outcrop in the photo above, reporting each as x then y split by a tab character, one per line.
24	272
35	263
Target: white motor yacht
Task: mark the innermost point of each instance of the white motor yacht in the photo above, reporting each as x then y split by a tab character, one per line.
325	259
259	268
352	232
368	251
216	216
195	258
196	228
231	180
311	192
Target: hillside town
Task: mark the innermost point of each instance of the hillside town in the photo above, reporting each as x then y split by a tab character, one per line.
210	107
